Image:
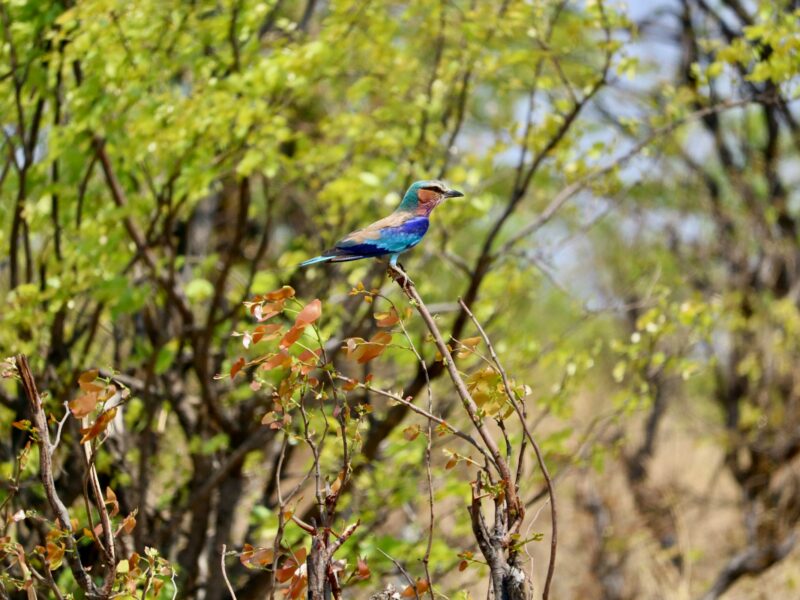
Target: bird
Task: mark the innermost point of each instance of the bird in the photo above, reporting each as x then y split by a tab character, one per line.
392	235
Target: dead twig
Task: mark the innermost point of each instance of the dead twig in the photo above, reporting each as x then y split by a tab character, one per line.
539	457
39	419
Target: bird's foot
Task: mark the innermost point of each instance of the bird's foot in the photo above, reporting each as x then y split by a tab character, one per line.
397	273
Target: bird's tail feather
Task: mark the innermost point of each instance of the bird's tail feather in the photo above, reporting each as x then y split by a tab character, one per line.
346	258
316	259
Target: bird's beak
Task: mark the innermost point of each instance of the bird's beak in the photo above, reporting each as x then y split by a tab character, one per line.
453	194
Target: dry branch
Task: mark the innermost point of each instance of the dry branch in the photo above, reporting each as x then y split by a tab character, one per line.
39	419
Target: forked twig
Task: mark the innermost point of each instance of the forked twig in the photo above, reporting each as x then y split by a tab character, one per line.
539	457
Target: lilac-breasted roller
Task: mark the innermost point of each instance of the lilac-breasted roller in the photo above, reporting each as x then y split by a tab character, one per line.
393	235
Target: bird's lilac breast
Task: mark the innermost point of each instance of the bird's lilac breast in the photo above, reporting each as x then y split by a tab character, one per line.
390	240
416	226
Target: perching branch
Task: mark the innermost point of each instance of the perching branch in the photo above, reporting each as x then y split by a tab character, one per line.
509	582
410	290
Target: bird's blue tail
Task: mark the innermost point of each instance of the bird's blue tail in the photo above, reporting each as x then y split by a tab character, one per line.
316	259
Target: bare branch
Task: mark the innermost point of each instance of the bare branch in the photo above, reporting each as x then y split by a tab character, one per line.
39	419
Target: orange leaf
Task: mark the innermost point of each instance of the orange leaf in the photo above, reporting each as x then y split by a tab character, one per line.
55	552
264	312
362	569
292	336
364	352
237	366
284	293
471	342
310	313
387	319
256	556
108	392
281	359
462	566
337	485
411	432
309	360
84	405
111	498
422	586
285	574
297	587
128	524
88	376
409	592
86	381
98	427
266	332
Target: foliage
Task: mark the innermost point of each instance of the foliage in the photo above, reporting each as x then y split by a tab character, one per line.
628	241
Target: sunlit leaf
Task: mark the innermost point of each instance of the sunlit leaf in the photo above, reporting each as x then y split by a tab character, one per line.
98	427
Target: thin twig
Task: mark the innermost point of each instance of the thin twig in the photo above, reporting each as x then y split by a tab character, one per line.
60	427
539	457
400	568
469	404
46	474
568	192
224	572
422	412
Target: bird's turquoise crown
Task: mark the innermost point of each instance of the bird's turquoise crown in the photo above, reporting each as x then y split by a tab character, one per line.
411	197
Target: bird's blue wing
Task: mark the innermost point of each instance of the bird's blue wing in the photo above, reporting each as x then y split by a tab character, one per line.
392	239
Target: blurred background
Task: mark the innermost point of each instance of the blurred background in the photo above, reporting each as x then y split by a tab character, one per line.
628	238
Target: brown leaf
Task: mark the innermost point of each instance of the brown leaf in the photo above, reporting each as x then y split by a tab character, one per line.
128	524
108	392
308	360
462	566
362	569
297	587
310	313
387	319
265	311
292	336
86	381
284	293
471	342
284	574
411	432
54	554
256	556
98	427
237	366
84	405
111	498
266	332
281	359
337	485
364	352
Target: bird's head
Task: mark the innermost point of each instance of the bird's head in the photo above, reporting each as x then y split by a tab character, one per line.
423	196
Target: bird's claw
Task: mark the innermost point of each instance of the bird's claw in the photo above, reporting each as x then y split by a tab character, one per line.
397	273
